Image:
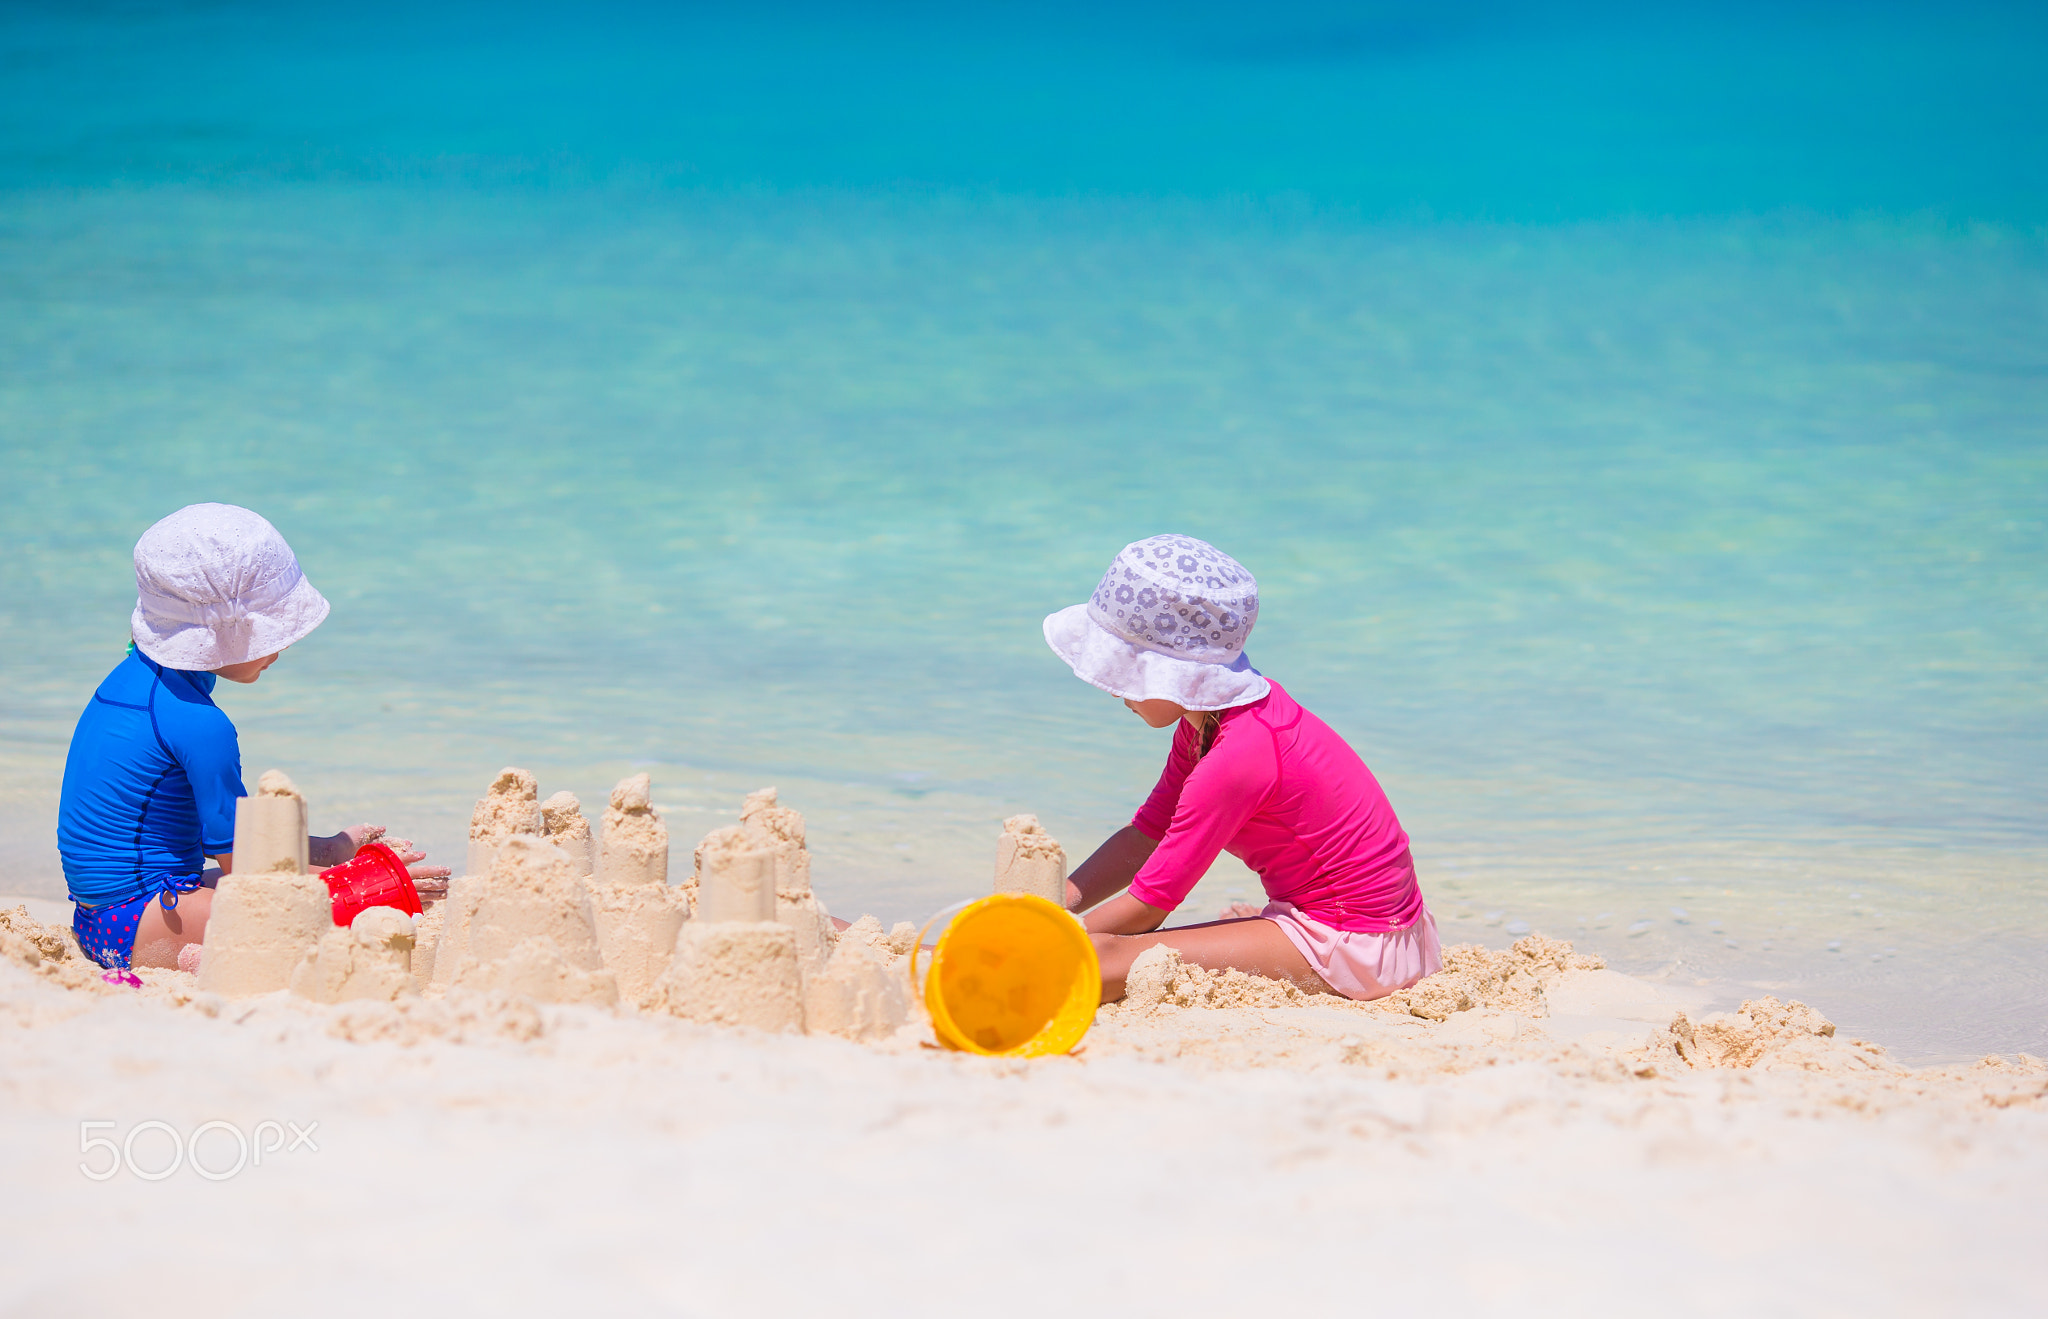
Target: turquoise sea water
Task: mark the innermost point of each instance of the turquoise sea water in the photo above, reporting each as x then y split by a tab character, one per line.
1635	422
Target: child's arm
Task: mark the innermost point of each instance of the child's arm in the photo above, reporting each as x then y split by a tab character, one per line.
332	851
1124	914
1109	869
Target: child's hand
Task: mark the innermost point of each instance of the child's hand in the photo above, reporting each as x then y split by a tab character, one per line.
337	848
1240	911
431	881
360	835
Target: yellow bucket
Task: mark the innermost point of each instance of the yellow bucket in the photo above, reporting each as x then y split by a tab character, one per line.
1014	975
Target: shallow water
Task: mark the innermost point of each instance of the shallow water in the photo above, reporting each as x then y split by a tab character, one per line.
1681	577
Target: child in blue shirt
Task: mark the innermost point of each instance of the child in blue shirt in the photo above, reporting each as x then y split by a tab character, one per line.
155	768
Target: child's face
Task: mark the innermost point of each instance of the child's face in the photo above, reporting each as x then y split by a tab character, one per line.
247	670
1158	712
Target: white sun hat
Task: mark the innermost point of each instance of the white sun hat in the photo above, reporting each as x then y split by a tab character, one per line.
1168	621
216	585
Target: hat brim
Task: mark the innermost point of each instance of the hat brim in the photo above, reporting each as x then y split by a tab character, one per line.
1103	659
197	647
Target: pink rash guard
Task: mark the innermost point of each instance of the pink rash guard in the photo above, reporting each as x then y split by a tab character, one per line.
1280	791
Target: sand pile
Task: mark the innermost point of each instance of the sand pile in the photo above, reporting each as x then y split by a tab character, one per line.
1762	1033
1477	977
1159	980
863	991
636	913
1029	860
30	943
51	951
371	959
1174	1012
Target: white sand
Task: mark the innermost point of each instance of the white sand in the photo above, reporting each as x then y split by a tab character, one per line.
1191	1160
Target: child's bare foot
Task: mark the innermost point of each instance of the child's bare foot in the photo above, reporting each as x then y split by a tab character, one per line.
1240	911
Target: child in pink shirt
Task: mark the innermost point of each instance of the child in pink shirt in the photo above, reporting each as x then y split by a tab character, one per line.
1251	772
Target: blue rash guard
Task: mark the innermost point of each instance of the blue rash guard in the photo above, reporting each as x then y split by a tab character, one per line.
150	787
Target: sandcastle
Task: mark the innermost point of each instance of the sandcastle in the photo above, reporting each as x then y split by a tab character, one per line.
531	931
269	914
552	913
637	913
761	950
1030	860
509	807
768	826
734	963
527	855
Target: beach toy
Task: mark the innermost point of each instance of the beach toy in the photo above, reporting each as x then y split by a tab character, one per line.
121	975
1014	974
373	877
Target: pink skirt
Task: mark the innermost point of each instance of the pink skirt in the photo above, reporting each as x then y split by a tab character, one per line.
1362	964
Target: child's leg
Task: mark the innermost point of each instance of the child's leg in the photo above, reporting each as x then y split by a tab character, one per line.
1257	947
162	933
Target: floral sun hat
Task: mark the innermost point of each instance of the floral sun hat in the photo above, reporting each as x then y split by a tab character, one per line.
217	585
1168	620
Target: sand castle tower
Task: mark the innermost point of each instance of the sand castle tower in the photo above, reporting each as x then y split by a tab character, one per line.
735	964
768	825
1030	860
761	950
511	805
635	839
562	823
269	913
635	912
531	932
509	808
